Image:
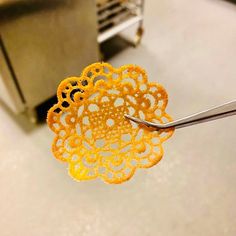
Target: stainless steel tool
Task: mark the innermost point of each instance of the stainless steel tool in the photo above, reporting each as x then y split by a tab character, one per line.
227	109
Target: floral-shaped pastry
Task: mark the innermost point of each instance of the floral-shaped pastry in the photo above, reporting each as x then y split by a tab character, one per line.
92	134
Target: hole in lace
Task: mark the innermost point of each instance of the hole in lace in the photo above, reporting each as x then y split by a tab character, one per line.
100	143
155	140
156	149
114	145
153	89
63	95
125	149
63	118
113	91
164	119
158	112
127	171
56	126
65	104
93	108
139	135
119	102
75	158
134	125
86	120
132	99
89	74
65	155
87	146
151	99
110	122
110	175
62	133
76	167
129	81
99	77
133	162
106	69
78	129
131	111
119	167
115	76
143	87
105	99
141	115
91	172
126	137
144	162
105	154
88	134
84	82
101	170
89	163
93	96
80	110
67	145
59	142
160	103
57	110
76	92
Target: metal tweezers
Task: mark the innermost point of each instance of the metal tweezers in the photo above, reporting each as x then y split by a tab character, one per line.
227	109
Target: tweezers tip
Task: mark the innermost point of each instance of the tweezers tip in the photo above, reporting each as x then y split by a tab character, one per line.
137	120
127	116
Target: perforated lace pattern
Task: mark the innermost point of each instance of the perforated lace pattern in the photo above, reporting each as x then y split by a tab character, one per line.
92	134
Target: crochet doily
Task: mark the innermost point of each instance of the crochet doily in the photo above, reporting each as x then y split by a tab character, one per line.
92	134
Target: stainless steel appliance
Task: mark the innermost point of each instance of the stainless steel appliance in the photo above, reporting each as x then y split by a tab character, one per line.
42	42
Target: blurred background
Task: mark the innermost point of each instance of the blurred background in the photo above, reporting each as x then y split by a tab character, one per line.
187	46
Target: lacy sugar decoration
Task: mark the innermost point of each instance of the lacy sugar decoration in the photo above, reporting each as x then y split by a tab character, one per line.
92	134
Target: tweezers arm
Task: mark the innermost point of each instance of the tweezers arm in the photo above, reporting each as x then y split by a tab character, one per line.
227	109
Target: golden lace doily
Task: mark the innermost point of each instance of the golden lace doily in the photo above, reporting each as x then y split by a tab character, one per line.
92	134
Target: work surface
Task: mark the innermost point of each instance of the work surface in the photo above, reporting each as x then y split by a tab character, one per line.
189	47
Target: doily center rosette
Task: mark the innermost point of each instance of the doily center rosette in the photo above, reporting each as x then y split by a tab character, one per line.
92	134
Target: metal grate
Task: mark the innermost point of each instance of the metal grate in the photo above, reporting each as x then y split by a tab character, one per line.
112	13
